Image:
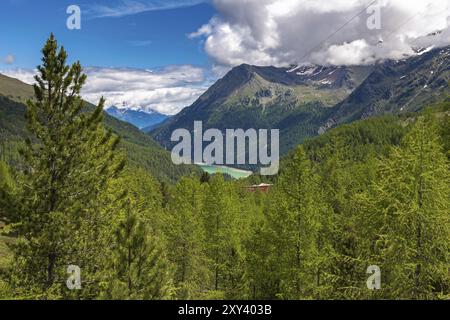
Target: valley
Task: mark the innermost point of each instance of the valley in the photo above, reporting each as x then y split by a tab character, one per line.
362	185
143	152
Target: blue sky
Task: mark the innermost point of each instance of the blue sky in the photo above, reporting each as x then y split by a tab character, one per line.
140	39
163	54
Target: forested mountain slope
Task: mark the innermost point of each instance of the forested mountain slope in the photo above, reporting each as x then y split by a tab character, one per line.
268	97
397	86
141	150
306	101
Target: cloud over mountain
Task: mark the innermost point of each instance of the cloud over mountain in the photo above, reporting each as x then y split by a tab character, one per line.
166	90
279	32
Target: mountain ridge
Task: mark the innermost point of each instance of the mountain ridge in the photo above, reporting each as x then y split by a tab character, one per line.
307	100
139	118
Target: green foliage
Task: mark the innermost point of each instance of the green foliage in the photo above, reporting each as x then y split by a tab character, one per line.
412	198
295	227
7	192
65	173
373	192
186	238
222	221
139	269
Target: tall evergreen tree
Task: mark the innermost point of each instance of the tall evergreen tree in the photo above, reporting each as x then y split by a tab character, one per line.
139	268
68	162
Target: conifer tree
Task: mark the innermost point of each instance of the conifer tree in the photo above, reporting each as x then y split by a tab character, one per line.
224	247
297	220
342	177
68	164
412	197
185	233
136	266
139	268
7	192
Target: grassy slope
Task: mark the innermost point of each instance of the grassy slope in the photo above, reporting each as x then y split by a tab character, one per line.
15	89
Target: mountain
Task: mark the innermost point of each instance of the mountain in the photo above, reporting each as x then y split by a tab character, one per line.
305	101
142	151
395	87
155	126
15	89
141	119
268	97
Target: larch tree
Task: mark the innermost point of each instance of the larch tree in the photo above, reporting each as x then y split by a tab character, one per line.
296	224
413	201
7	192
223	244
185	232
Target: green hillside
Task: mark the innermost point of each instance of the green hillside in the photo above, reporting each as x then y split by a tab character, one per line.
142	151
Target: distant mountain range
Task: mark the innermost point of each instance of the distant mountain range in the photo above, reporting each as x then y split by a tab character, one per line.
146	121
305	101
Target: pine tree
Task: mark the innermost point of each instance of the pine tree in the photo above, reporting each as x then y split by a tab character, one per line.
68	166
412	197
139	268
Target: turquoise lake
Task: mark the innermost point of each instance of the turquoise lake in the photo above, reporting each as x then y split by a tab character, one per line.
235	173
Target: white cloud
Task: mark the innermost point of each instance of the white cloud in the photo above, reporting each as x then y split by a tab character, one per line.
280	32
120	8
24	75
166	90
9	59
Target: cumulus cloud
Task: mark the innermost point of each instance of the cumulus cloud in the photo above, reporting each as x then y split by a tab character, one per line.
167	90
9	59
281	32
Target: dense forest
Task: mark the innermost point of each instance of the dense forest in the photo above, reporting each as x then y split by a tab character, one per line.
375	192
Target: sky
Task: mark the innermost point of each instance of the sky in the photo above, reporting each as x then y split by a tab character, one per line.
163	54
